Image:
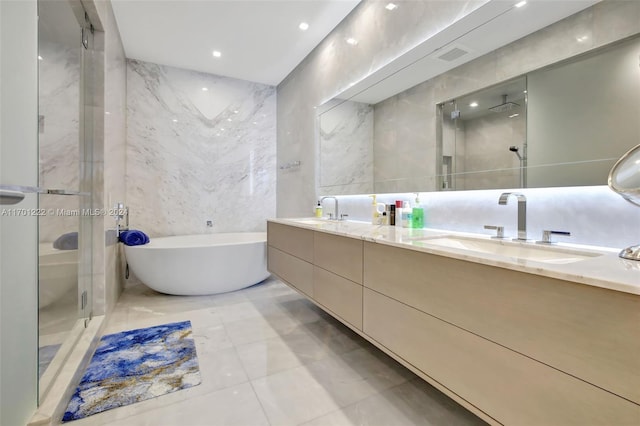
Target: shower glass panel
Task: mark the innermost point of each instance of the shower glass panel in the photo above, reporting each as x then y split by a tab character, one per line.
484	138
65	78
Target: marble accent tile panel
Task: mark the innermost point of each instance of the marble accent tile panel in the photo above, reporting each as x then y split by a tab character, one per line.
200	147
346	148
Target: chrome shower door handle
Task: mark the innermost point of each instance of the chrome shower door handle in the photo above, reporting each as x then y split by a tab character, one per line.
10	197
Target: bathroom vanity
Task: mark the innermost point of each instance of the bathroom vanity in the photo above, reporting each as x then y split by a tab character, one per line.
518	333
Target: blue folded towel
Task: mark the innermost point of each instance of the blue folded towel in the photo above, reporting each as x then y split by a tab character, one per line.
68	241
134	237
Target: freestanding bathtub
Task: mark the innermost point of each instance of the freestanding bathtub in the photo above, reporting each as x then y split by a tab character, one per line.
195	265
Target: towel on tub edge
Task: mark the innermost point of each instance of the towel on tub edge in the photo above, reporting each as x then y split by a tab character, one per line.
134	237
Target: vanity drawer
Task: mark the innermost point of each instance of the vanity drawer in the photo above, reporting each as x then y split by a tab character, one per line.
511	388
589	332
341	296
294	271
340	255
292	240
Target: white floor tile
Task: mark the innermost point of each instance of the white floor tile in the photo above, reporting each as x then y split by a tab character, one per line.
293	396
232	406
269	356
409	404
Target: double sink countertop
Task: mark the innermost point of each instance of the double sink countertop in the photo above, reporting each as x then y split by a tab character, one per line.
590	265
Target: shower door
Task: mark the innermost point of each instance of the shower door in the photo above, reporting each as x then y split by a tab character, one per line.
60	204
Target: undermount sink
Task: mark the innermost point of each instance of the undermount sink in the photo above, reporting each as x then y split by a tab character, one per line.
311	221
526	251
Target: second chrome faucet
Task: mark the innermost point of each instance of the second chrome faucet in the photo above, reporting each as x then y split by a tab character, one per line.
522	212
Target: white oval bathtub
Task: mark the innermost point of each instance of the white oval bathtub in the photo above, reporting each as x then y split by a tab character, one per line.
194	265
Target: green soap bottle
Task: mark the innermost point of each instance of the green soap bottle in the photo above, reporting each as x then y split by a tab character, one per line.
417	214
417	217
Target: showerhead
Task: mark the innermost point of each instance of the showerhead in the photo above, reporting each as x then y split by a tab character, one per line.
504	106
515	149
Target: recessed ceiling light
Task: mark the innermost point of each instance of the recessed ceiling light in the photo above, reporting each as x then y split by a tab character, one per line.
352	41
391	6
39	57
524	91
522	3
175	120
236	111
513	115
303	26
473	104
217	54
228	119
581	39
222	129
204	89
255	122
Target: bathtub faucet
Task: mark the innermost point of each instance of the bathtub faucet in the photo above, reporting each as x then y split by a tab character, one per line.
121	214
335	208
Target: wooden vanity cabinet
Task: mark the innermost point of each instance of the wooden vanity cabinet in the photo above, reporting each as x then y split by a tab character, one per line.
513	347
325	267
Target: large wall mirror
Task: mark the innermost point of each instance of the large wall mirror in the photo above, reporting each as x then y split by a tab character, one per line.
562	125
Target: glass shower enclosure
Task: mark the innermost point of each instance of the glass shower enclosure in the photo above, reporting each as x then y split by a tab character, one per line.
66	62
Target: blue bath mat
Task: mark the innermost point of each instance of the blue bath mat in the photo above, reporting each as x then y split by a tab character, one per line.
136	365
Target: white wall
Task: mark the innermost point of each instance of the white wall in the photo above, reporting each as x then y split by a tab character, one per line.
18	245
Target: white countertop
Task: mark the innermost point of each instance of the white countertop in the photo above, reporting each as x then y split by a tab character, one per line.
605	269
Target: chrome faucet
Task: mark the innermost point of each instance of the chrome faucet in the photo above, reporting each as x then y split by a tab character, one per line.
522	212
335	208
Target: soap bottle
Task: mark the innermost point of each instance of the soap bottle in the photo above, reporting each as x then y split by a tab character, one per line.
375	215
417	214
398	218
407	215
319	210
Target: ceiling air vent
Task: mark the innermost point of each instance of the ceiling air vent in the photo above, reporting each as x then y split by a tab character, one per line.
452	54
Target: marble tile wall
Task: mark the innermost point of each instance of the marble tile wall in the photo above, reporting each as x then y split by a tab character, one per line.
398	121
483	154
604	23
114	153
346	149
58	141
196	155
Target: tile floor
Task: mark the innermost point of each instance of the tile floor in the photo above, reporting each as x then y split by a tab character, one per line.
268	356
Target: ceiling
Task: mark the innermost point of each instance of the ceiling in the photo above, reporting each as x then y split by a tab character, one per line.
259	40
